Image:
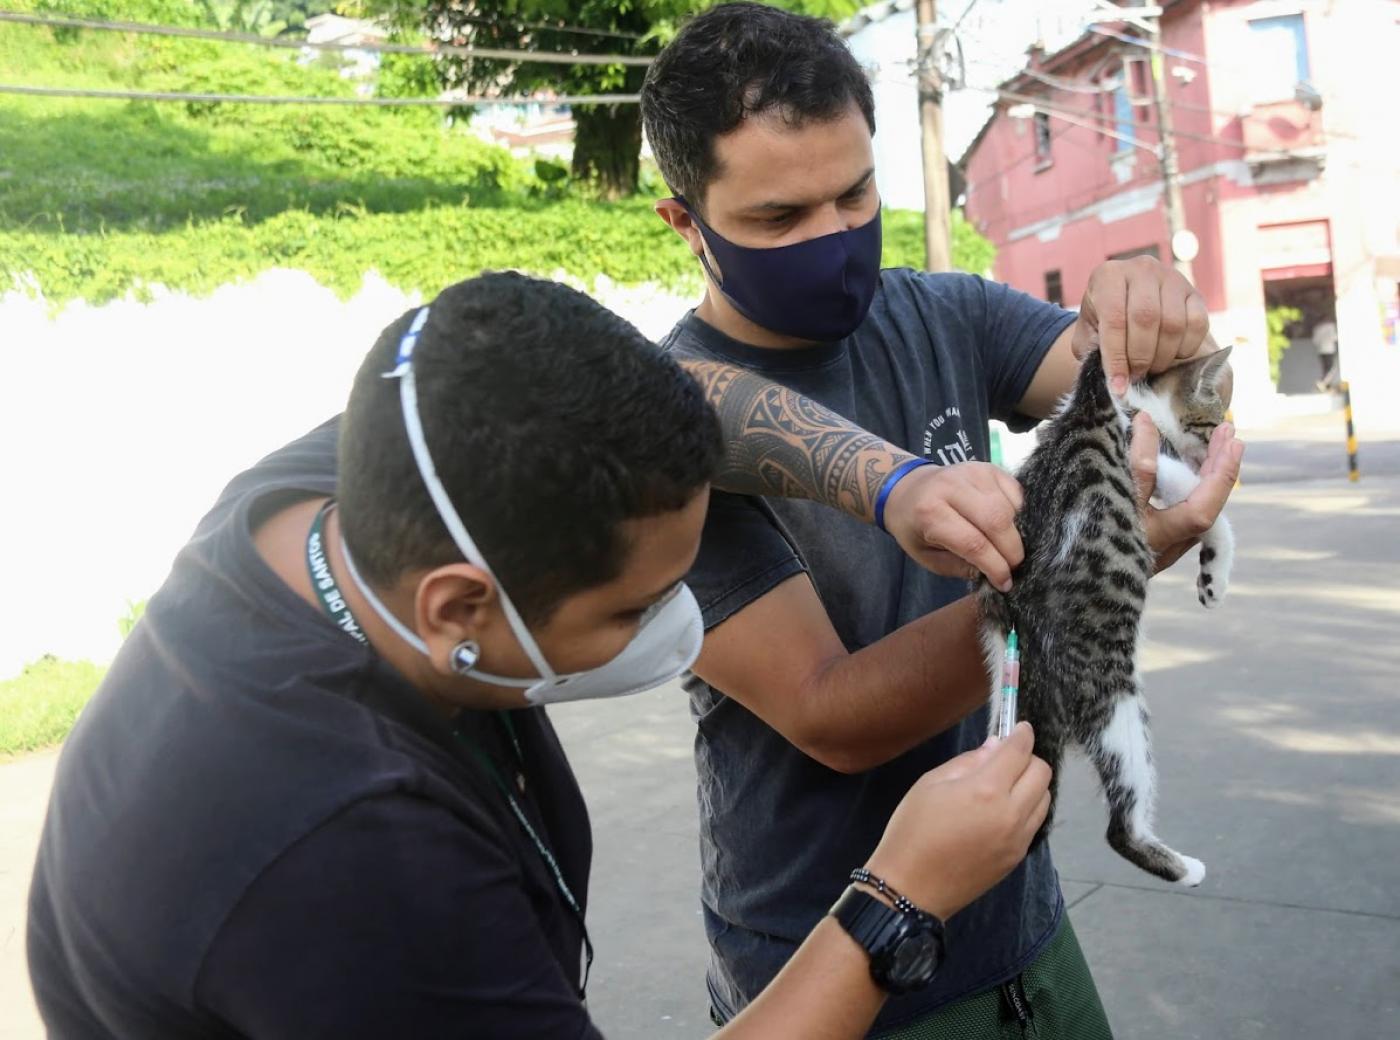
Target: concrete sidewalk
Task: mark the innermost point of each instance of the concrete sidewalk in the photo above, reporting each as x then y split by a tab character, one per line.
1278	738
24	794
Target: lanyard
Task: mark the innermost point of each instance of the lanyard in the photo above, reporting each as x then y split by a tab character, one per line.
489	764
324	582
339	611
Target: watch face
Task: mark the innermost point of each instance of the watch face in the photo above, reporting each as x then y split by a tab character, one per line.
914	960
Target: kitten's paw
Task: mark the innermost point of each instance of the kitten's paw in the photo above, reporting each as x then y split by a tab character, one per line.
1210	590
1195	872
1213	581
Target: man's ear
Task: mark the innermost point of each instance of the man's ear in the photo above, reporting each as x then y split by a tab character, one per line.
454	603
678	219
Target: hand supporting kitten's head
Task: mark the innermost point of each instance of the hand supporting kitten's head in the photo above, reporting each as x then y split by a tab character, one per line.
1186	402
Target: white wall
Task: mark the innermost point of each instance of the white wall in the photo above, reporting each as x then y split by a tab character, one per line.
122	423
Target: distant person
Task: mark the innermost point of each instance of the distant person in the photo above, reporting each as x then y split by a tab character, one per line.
316	795
1324	337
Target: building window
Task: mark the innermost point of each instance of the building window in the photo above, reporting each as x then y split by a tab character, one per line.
1123	124
1140	80
1042	137
1279	57
1054	289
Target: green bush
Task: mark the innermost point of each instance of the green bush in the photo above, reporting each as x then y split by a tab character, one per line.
38	707
904	242
135	609
419	250
1278	318
423	249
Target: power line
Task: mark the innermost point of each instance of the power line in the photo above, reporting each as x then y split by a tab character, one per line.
1110	86
1170	52
1070	116
963	17
432	49
446	101
1015	163
1104	121
1071	87
983	182
1225	113
575	30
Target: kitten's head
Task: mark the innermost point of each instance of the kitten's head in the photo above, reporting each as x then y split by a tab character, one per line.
1187	402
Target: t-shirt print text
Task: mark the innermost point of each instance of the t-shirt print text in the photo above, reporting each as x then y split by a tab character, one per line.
947	442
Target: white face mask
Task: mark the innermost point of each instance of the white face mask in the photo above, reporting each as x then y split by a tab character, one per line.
667	641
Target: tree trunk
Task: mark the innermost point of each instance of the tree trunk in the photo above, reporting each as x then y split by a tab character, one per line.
608	147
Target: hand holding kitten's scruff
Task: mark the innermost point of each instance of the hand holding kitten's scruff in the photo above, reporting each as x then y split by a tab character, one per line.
1142	317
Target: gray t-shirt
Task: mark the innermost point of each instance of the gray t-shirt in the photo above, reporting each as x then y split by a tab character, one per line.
937	357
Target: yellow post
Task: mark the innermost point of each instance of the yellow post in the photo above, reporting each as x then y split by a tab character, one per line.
1352	473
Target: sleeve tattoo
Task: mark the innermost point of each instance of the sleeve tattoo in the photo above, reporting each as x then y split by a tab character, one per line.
779	443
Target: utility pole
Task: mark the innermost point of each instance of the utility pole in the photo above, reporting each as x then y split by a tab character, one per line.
937	243
1166	145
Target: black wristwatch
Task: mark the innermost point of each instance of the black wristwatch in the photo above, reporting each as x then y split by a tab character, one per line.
905	947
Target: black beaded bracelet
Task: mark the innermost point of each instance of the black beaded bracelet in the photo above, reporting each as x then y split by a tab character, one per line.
863	877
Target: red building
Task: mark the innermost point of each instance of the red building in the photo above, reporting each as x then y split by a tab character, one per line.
1282	115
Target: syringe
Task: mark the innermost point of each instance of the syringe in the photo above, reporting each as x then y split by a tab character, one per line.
1010	685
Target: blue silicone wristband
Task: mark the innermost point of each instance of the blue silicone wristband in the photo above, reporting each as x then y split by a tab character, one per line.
896	475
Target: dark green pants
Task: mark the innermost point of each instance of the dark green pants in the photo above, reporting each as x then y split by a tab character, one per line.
1053	999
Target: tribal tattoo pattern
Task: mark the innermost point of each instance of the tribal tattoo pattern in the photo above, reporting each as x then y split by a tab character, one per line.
779	443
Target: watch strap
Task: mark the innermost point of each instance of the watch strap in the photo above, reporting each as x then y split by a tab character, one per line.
866	919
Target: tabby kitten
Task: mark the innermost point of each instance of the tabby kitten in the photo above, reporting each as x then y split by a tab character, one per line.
1078	598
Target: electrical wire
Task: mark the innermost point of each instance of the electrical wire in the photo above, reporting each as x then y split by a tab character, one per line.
432	49
575	30
445	101
1014	164
963	17
1170	52
1070	87
1104	121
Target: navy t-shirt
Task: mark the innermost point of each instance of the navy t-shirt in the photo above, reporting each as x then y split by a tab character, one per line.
937	357
259	829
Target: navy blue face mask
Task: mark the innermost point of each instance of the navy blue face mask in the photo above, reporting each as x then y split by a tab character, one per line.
816	290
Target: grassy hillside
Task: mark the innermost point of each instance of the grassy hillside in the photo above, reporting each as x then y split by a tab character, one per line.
102	198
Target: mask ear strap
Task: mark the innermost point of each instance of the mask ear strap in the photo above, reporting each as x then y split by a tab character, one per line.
405	633
408	398
705	233
705	263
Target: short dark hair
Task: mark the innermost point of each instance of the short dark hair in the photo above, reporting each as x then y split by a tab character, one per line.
737	60
550	420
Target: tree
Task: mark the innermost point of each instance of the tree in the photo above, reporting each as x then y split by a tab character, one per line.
607	138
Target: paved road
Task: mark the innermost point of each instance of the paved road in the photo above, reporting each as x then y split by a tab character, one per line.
1278	735
1313	448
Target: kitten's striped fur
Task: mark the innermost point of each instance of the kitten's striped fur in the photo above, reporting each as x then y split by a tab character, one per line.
1078	598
